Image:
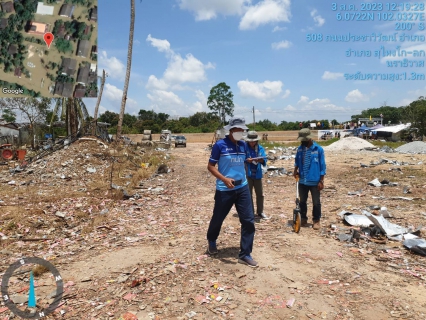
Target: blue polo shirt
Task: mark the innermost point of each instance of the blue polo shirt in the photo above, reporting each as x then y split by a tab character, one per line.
230	158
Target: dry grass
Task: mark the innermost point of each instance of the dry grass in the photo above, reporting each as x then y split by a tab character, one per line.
38	270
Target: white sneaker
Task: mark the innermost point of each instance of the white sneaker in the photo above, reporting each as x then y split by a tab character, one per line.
263	216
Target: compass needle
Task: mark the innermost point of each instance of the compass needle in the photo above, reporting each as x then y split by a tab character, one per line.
31	296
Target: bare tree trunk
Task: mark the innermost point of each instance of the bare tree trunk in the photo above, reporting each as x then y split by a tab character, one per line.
72	116
129	65
95	118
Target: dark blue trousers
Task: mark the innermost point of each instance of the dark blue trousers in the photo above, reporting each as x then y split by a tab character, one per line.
224	200
316	201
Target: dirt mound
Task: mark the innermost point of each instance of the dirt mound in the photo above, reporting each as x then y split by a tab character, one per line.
349	143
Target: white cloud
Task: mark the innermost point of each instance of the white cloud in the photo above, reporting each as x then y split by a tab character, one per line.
179	70
266	90
290	108
114	67
206	10
188	69
154	83
356	96
303	99
115	94
405	46
279	29
281	45
165	98
319	21
332	75
286	94
405	102
419	92
264	12
161	45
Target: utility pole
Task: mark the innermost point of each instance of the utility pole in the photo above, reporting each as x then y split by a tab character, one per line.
254	121
95	118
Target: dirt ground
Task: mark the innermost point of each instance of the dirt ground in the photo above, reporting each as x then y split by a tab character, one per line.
146	258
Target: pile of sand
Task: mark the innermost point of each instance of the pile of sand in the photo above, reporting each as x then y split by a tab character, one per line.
349	143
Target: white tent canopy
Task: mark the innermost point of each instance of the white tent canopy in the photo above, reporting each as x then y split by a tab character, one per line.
394	129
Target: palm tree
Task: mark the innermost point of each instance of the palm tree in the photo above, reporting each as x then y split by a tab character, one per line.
73	111
129	65
95	118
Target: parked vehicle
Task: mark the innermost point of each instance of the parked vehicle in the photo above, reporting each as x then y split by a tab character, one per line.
180	141
173	137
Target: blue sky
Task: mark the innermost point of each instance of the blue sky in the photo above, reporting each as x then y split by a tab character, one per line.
184	47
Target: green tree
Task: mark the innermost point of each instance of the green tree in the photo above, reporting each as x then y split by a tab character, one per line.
32	109
109	117
220	101
8	115
415	113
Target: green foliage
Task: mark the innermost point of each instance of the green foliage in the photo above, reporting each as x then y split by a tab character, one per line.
220	101
63	45
109	117
415	113
9	115
392	114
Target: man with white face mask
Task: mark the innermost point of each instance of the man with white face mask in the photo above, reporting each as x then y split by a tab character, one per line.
232	189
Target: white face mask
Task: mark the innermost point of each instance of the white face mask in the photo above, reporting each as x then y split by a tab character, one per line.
238	135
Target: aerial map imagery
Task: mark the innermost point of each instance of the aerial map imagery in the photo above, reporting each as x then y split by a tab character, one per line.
48	48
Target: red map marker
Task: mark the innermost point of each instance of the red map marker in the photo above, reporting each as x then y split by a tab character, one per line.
48	38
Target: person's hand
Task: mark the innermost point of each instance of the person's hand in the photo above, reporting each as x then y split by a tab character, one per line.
320	185
249	160
295	174
229	183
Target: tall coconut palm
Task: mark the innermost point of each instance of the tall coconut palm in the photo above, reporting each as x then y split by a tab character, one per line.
95	117
129	66
73	111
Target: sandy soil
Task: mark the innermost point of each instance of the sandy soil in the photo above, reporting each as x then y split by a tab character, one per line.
165	250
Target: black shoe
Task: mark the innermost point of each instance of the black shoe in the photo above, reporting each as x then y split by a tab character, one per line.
212	249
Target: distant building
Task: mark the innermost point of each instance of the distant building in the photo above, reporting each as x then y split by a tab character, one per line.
93	67
69	66
94	49
61	31
7	7
3	23
93	77
94	14
45	10
37	28
87	30
18	72
12	49
83	48
64	89
80	91
83	74
67	10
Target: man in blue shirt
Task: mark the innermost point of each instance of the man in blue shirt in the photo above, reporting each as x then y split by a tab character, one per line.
256	158
310	167
232	188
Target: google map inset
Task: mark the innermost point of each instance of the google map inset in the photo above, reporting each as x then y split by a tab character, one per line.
48	48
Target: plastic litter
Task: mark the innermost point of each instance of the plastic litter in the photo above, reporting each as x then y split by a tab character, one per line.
416	245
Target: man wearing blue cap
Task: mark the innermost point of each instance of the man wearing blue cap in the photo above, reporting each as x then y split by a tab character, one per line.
232	189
